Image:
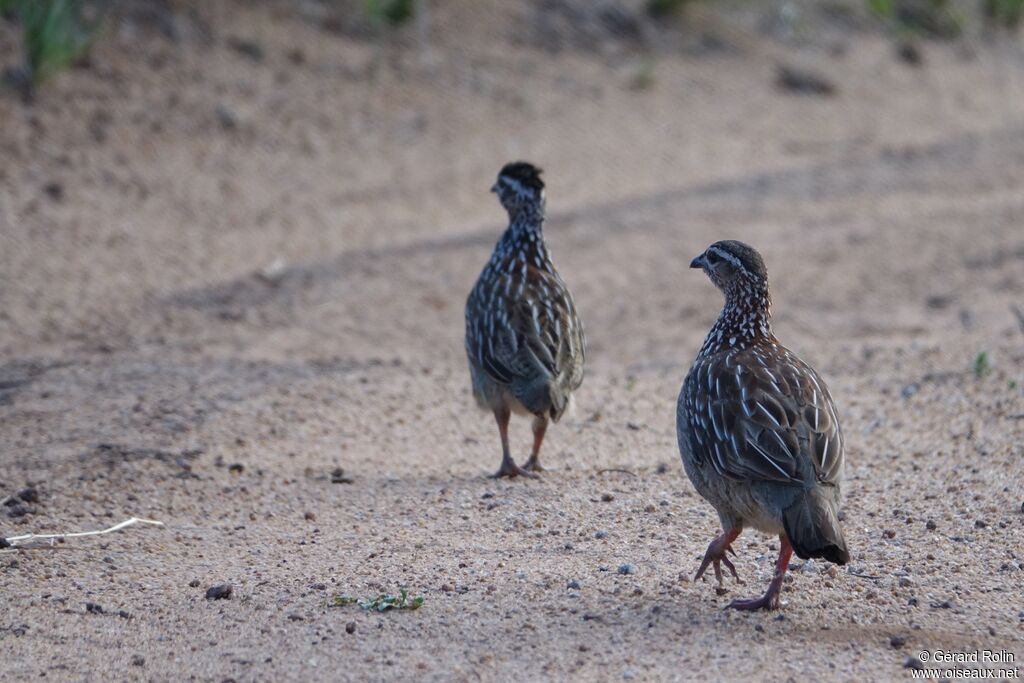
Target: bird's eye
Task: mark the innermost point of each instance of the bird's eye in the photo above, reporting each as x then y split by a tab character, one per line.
712	258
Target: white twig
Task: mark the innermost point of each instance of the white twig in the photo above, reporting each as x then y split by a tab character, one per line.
14	540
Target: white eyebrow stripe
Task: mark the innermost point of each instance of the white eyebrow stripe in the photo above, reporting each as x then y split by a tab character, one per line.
728	257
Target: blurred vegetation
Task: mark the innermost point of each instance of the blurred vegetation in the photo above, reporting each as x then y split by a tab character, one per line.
934	18
664	8
1003	13
390	12
54	35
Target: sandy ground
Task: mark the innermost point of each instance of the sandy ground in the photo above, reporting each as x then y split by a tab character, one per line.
226	273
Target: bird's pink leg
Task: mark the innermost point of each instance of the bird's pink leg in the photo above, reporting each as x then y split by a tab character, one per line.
770	600
540	425
716	555
508	466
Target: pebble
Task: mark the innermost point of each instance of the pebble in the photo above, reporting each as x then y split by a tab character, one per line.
29	495
896	642
310	517
194	583
663	468
905	582
573	585
600	534
627	569
889	533
930	525
350	627
138	660
607	497
913	663
220	592
980	524
803	82
93	608
236	468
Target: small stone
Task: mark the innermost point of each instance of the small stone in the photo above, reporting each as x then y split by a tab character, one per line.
124	614
54	191
945	604
905	582
721	590
226	118
650	508
93	608
246	48
487	494
628	675
607	497
236	468
913	663
930	525
633	426
600	534
889	533
909	53
29	495
138	660
194	583
4	543
221	591
803	82
980	524
910	390
896	642
310	516
350	627
663	468
627	569
338	476
573	585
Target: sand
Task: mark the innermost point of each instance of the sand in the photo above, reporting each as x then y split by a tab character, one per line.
227	273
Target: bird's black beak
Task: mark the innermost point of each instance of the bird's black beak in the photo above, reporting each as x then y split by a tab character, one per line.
697	262
494	188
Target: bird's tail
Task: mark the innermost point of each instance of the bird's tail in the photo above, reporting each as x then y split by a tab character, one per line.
813	527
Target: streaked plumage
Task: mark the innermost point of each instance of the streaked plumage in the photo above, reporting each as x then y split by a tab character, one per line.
524	341
758	431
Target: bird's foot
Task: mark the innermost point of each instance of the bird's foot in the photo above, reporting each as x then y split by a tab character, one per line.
768	601
716	556
533	465
510	469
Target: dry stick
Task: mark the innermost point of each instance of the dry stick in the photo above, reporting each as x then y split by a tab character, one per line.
13	540
616	469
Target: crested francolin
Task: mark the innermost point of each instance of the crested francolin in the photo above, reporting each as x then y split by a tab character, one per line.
524	340
757	429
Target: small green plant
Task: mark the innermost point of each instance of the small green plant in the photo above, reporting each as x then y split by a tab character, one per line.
1003	13
390	12
381	603
54	35
664	8
935	18
982	366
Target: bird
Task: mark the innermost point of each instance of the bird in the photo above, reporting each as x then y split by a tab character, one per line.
758	431
524	340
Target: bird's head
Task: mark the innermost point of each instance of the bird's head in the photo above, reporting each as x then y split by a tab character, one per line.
519	187
735	268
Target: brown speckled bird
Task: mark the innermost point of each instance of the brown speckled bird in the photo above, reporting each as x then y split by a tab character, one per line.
757	429
524	340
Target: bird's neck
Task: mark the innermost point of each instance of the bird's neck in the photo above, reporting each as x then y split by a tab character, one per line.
745	319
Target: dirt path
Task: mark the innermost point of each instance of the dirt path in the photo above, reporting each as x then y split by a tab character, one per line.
253	274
